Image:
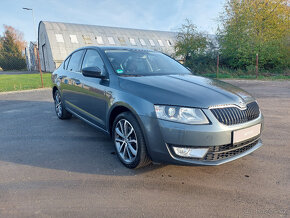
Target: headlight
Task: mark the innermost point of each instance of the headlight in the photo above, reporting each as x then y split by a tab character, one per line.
181	114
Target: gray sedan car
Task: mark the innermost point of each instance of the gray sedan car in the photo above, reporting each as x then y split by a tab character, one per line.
155	109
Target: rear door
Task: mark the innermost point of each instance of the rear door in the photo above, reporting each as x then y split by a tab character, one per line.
71	82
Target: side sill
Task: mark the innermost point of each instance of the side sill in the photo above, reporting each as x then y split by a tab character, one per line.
87	121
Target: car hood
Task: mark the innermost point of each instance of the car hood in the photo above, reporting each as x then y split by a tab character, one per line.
184	90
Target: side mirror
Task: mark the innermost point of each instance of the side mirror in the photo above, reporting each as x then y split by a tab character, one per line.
92	72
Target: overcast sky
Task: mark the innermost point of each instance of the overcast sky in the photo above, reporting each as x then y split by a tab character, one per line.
142	14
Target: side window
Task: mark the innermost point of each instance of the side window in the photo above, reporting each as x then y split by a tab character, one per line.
66	63
74	63
93	59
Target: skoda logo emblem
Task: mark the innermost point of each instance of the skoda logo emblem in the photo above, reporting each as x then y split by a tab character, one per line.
242	104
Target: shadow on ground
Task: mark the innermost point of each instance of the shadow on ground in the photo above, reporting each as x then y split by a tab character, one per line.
31	134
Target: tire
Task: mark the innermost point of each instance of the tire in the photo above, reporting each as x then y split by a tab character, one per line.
59	107
129	143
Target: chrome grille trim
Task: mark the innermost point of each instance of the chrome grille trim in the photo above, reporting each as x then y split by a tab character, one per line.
232	114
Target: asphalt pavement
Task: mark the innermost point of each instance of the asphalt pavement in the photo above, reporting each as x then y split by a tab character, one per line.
55	168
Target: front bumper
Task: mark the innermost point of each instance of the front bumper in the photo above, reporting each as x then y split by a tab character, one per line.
222	157
161	134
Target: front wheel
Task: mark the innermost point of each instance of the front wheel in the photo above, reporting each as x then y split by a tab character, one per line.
129	141
60	110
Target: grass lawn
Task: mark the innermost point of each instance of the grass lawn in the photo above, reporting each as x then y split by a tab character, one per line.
23	82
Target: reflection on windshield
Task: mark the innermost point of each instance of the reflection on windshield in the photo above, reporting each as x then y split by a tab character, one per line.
138	62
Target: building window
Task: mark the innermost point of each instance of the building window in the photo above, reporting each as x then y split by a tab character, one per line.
100	40
160	42
59	38
73	39
87	39
151	42
122	40
142	42
111	41
169	43
132	41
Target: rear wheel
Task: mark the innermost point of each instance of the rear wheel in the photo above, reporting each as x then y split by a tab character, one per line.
60	110
129	141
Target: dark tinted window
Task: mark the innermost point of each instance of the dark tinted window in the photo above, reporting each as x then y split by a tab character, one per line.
139	62
93	59
65	64
74	63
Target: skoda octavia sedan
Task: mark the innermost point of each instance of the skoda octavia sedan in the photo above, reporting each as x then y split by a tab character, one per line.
155	109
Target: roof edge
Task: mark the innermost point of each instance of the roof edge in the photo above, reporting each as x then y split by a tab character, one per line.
124	28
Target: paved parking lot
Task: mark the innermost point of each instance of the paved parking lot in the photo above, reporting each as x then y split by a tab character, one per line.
54	168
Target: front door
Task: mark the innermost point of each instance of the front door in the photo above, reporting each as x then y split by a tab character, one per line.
90	92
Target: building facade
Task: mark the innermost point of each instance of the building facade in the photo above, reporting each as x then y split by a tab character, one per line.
57	40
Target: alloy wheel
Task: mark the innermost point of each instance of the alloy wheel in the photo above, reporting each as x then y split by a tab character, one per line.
126	141
57	103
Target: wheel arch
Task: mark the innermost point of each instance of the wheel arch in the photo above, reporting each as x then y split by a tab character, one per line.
54	89
119	108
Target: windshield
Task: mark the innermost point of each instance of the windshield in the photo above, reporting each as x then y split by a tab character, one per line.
138	62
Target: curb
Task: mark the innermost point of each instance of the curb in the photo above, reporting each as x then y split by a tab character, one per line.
24	91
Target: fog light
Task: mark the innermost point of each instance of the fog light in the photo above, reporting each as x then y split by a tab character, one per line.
190	152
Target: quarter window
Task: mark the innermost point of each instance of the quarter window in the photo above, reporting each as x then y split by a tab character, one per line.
74	63
93	59
65	64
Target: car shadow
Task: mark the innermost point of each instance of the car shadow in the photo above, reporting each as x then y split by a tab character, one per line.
31	134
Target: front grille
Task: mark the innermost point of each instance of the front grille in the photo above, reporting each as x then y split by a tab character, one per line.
234	115
216	153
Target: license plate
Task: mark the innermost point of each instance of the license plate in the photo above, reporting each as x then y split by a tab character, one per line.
244	134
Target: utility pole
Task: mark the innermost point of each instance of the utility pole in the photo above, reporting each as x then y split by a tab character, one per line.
37	50
257	66
31	9
217	65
